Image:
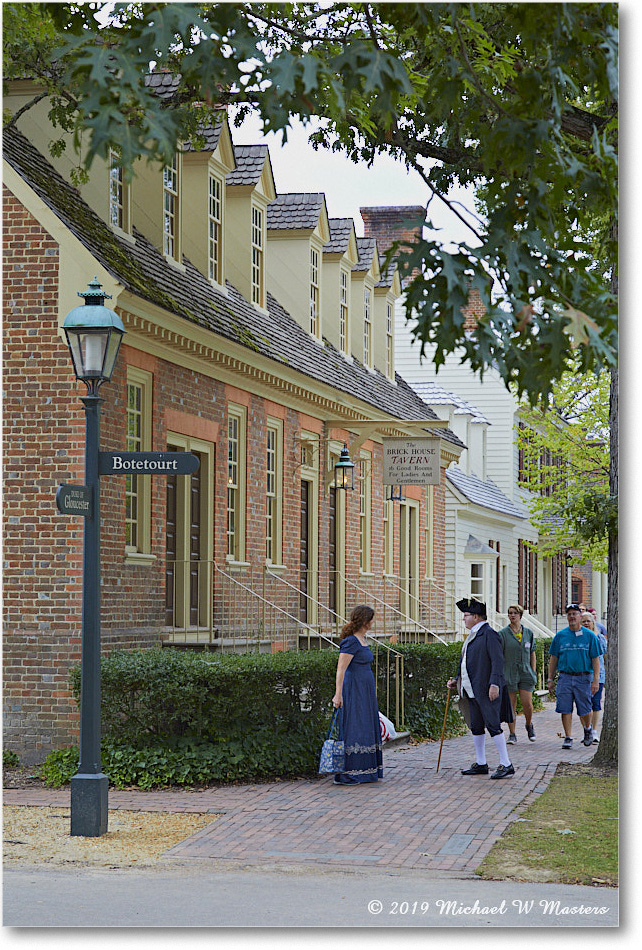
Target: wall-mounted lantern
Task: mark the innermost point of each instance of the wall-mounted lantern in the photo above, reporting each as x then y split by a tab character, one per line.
344	471
395	493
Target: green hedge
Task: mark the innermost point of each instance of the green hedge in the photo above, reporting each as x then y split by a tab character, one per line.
174	717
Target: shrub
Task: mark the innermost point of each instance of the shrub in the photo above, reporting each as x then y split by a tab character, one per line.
178	718
10	759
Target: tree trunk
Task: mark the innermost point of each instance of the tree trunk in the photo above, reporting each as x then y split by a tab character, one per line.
607	751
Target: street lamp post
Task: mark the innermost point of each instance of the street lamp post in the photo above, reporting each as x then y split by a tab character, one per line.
94	334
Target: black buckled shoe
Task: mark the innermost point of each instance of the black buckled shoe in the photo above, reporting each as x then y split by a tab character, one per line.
475	769
503	771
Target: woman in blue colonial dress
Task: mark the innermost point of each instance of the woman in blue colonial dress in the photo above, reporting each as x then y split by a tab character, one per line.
356	696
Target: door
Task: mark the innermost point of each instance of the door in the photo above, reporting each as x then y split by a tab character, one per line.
409	559
170	550
304	551
195	545
332	550
185	581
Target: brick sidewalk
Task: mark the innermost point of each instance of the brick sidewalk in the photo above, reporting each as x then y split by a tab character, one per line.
415	818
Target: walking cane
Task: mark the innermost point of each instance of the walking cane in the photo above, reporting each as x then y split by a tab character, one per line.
443	730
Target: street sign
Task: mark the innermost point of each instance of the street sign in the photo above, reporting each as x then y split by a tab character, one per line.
75	500
147	463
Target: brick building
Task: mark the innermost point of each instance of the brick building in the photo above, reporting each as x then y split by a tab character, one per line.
258	336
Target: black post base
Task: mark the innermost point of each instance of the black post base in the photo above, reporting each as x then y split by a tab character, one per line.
89	805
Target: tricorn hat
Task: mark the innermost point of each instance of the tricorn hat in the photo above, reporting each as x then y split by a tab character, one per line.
472	606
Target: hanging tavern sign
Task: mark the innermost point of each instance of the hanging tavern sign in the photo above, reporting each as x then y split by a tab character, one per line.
411	461
147	463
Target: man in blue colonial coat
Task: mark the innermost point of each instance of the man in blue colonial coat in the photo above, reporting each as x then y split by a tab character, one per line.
483	698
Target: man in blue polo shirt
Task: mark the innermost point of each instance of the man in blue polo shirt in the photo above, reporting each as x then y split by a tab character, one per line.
574	654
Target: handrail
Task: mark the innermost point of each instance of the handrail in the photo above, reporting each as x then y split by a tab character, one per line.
329	609
372	596
299	623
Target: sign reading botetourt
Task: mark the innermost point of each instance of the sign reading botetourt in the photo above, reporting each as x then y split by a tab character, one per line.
147	463
411	461
74	500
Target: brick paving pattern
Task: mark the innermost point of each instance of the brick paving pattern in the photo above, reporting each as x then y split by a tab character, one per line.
415	817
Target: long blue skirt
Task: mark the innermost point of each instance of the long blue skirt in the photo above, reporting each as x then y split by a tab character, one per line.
360	726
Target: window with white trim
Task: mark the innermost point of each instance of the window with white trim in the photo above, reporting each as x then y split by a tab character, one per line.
314	292
343	313
215	232
236	427
138	439
117	193
257	257
390	358
367	328
477	579
430	515
274	492
170	209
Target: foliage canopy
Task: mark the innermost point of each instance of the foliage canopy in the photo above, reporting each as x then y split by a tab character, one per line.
516	100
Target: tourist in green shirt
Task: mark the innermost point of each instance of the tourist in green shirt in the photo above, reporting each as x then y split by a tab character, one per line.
520	664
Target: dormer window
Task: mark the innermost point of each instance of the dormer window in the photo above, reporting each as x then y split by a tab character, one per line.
390	360
215	231
343	313
314	292
170	209
118	194
367	327
257	257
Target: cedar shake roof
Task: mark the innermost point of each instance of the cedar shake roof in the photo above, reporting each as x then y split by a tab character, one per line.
211	136
164	84
293	211
143	270
340	230
366	247
485	494
250	160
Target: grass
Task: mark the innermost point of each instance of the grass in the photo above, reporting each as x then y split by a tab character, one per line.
570	834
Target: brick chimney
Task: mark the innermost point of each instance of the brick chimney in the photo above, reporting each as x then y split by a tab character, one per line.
386	225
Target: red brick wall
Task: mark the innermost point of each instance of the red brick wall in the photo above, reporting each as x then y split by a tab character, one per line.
44	443
42	553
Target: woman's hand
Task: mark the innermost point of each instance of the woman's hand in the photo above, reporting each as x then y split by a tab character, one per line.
337	700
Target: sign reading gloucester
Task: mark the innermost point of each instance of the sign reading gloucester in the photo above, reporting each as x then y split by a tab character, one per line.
411	461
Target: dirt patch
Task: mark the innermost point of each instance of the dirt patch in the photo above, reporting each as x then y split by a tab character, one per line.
585	768
38	836
21	776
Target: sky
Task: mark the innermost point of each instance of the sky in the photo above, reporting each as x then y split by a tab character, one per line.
348	186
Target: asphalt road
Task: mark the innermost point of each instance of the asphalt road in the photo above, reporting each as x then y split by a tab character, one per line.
195	895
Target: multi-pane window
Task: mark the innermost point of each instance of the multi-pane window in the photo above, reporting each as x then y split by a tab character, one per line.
367	328
170	209
116	192
314	292
430	514
389	347
215	230
133	443
235	529
233	487
477	580
343	314
270	495
257	256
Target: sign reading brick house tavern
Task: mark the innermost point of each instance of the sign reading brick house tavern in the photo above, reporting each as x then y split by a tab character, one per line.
147	463
411	461
74	500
